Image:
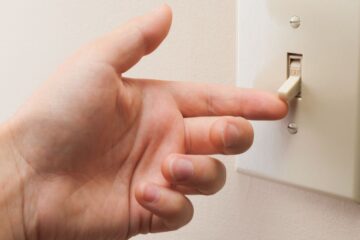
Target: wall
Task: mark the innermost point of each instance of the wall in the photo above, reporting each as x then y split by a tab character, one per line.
38	35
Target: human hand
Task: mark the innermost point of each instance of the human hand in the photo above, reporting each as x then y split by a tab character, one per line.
102	156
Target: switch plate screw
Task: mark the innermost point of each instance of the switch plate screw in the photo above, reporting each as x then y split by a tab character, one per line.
295	21
292	128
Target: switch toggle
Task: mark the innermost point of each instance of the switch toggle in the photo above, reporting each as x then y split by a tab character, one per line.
291	88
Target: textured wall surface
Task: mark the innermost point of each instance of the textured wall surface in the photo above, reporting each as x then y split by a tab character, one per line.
38	35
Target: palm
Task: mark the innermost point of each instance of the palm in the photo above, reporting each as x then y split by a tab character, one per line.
112	149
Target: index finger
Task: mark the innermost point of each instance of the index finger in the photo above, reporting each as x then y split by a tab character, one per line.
196	100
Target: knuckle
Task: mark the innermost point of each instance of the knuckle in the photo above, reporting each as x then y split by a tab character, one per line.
210	103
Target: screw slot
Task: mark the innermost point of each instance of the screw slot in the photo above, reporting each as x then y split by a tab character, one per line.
292	128
295	21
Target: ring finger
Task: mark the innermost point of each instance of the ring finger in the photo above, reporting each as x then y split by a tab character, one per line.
194	174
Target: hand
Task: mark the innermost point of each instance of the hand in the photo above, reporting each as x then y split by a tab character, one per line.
102	156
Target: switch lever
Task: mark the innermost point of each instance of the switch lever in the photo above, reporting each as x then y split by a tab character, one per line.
292	86
290	89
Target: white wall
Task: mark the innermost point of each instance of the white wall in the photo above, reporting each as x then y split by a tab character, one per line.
37	35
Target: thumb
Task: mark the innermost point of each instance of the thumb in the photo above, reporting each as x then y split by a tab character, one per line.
125	46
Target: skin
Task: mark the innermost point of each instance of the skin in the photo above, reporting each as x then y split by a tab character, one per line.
96	155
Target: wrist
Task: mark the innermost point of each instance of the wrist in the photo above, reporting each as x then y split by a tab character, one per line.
11	189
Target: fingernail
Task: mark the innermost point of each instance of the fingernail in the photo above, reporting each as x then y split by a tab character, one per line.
182	169
232	136
151	193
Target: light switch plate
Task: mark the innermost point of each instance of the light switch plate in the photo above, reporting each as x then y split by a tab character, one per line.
324	155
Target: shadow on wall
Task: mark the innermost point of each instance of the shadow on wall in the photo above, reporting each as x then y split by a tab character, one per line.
357	166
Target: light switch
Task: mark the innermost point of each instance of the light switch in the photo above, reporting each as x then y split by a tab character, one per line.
317	146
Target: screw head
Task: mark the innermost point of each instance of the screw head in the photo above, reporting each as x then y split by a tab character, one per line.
292	128
295	21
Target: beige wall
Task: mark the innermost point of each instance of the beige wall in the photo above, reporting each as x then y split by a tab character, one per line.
201	47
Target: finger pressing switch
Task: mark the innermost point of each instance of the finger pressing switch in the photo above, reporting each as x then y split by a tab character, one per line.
291	88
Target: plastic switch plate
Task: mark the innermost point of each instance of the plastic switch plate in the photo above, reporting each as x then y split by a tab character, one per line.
323	153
